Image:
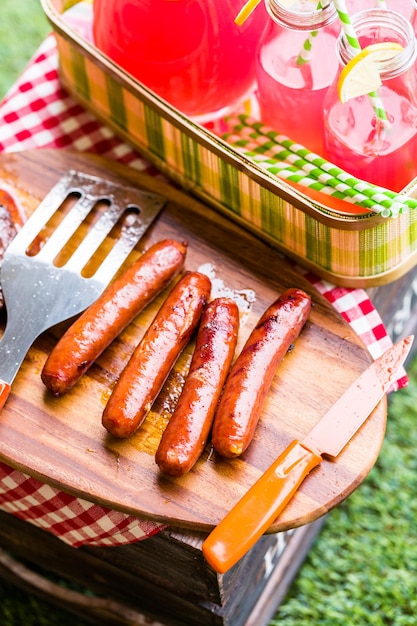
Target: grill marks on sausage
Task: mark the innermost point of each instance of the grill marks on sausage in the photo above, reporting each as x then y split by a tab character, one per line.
188	429
155	355
216	396
104	320
7	233
251	375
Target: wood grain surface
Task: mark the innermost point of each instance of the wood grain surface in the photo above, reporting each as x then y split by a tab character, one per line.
62	442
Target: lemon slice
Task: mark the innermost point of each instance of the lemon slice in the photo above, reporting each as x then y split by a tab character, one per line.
361	75
251	5
245	11
70	3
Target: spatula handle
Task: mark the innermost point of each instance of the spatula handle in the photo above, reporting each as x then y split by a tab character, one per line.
257	509
17	338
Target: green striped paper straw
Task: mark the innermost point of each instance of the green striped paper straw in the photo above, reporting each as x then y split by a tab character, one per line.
304	55
266	147
394	205
293	174
241	122
281	147
321	181
350	35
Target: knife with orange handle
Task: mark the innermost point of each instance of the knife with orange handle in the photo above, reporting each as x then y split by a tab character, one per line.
268	497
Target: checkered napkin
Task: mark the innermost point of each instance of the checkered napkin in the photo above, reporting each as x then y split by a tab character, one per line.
38	113
74	520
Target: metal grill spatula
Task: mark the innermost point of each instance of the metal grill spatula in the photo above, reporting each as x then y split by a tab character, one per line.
47	279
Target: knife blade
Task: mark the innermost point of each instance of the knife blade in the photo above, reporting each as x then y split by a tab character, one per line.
266	499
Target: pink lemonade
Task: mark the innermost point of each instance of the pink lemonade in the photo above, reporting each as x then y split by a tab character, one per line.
190	52
355	138
405	7
386	158
291	94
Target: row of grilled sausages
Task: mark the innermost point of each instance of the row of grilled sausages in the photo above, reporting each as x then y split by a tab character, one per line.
219	396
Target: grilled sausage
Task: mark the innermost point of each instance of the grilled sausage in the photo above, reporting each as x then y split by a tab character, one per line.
252	373
186	434
105	319
7	233
152	360
10	200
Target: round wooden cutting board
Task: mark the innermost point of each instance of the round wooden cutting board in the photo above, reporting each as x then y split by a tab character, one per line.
62	442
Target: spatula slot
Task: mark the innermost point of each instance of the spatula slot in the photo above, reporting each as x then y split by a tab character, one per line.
52	224
83	230
126	232
90	223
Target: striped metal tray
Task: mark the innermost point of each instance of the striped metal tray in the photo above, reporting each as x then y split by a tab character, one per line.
351	250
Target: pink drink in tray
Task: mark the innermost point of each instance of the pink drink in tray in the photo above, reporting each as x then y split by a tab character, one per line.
355	138
405	7
291	94
387	159
291	97
190	52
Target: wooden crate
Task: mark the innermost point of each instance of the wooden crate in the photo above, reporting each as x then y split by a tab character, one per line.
162	580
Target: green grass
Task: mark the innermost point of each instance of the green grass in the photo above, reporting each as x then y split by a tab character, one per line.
362	570
20	609
23	26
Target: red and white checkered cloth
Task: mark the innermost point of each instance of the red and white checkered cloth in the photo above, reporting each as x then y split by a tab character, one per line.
38	113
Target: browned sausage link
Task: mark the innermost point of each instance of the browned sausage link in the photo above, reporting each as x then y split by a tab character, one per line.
251	375
104	320
155	355
7	233
187	431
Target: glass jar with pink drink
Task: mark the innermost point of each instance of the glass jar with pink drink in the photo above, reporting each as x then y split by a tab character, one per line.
408	8
377	147
189	52
295	64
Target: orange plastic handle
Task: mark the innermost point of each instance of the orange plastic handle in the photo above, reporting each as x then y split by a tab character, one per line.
4	393
257	509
